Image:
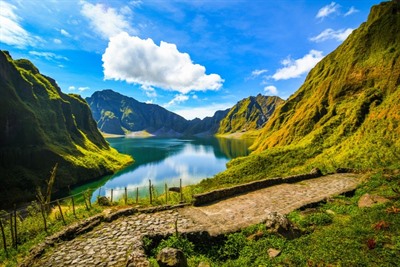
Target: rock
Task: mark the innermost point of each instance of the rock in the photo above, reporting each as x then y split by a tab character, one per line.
368	200
280	224
315	171
171	257
272	253
103	201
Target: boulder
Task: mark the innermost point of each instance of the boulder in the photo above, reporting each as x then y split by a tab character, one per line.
280	224
103	201
272	253
171	257
368	200
315	171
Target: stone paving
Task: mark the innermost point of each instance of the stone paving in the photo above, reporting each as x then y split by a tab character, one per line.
119	243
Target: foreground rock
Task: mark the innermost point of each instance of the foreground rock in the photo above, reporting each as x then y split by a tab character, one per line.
171	257
368	200
280	224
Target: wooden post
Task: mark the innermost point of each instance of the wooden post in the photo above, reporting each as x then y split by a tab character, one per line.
99	192
84	199
15	227
126	195
180	189
166	194
73	206
137	195
89	197
62	216
150	195
4	238
112	195
44	216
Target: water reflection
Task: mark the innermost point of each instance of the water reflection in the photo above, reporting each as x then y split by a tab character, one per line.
164	160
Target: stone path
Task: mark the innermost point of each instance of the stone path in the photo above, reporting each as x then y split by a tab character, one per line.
119	243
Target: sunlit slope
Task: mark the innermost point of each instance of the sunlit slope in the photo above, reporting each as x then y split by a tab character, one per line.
41	126
346	114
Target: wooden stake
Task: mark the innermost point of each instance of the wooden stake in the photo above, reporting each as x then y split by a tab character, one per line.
4	238
112	192
137	195
126	195
73	206
62	216
44	216
151	200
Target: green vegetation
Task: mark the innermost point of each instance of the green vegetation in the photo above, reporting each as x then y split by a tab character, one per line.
346	114
337	233
43	127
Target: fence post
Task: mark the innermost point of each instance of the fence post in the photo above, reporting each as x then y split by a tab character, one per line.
112	192
180	189
151	200
99	192
137	195
4	238
12	229
44	216
126	195
73	206
15	227
166	194
62	216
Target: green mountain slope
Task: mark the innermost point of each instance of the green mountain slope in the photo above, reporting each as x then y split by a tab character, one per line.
249	114
39	127
119	114
346	114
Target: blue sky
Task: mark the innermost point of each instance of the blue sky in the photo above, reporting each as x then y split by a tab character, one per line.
191	57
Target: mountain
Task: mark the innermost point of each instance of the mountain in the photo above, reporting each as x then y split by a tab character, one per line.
39	127
346	114
249	114
119	114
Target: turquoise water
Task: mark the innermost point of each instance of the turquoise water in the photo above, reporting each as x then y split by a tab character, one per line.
167	160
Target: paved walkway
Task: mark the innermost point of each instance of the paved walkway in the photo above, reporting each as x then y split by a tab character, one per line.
119	243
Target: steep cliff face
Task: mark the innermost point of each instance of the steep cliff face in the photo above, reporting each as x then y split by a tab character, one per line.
119	114
346	114
249	114
39	127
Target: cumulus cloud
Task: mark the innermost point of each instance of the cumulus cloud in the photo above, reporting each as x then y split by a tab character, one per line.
57	41
71	88
271	90
176	100
11	32
339	35
352	10
81	89
131	59
295	68
327	10
150	91
106	21
47	55
256	73
202	112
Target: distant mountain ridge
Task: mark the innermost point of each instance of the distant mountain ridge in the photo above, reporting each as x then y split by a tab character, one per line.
119	114
41	126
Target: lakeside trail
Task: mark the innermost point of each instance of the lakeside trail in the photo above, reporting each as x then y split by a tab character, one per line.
119	243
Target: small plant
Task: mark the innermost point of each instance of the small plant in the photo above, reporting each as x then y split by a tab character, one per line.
178	242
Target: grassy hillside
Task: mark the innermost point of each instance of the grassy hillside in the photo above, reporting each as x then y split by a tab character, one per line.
346	114
249	114
41	126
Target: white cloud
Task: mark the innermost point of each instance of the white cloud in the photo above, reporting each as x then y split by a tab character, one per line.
271	89
81	89
11	32
65	33
327	10
106	21
295	68
352	10
71	88
202	112
195	97
256	73
57	41
339	35
176	100
138	61
47	55
150	91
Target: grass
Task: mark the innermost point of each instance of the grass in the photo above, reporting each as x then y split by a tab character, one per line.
337	233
